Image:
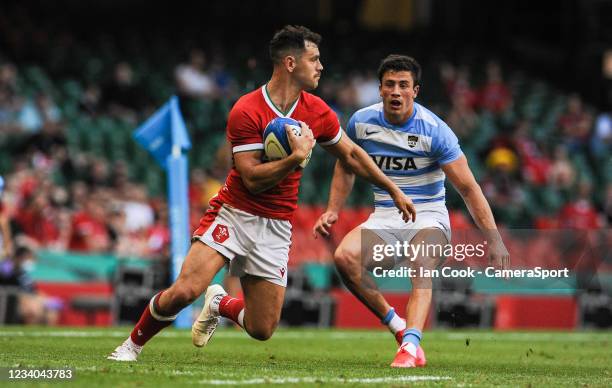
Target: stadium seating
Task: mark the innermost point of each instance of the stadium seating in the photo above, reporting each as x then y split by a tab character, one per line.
109	136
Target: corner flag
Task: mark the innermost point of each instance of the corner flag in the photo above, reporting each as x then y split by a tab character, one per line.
165	137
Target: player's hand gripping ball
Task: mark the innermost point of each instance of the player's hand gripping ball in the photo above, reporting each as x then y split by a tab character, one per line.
276	144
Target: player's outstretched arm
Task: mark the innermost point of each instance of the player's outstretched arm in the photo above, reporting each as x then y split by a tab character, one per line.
358	161
341	186
258	176
460	175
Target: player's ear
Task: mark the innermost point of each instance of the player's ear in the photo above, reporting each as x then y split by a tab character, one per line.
290	63
416	90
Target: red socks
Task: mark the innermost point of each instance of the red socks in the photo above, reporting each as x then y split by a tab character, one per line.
150	323
232	308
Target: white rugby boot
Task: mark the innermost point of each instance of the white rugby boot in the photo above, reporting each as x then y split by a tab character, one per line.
204	327
127	351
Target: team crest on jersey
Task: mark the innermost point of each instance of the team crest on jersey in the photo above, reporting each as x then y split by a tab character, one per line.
412	141
220	234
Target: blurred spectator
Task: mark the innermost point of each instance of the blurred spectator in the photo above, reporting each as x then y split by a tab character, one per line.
202	187
97	174
120	175
535	164
366	89
49	139
122	96
47	109
6	237
562	171
459	221
141	236
495	95
138	213
7	114
192	79
27	306
8	78
254	77
158	235
32	115
457	84
346	100
580	213
36	220
509	201
14	271
89	232
27	115
575	124
502	159
116	226
90	100
462	118
9	101
78	195
601	141
196	187
223	161
224	83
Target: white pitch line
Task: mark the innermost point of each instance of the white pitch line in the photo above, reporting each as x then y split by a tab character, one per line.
308	335
526	337
302	380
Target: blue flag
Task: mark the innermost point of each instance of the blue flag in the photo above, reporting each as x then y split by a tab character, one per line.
165	136
162	131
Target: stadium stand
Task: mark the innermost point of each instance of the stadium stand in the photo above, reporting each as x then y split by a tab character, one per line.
68	106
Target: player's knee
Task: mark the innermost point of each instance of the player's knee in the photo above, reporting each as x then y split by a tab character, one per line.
263	331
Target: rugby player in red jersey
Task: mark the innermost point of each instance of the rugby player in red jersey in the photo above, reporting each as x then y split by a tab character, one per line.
248	223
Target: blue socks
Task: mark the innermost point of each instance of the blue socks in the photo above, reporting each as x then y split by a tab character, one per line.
393	321
412	336
388	317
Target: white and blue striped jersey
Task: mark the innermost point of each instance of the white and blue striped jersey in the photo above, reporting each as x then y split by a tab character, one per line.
410	154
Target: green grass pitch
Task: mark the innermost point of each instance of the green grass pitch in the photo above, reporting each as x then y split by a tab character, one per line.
313	358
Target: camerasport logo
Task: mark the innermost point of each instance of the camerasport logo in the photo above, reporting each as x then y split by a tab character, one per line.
220	233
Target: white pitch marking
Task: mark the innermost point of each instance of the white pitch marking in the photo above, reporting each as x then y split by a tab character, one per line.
308	335
523	337
302	380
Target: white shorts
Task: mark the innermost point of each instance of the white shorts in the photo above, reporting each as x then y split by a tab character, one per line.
253	245
388	224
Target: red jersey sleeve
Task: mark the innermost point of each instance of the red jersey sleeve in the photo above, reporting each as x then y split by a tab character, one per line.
243	132
330	128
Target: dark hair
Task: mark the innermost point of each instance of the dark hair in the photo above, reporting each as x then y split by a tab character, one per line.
291	38
396	62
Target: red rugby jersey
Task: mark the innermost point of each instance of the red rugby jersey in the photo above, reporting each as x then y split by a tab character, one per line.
245	126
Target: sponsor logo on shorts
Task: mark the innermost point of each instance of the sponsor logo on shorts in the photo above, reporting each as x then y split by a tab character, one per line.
282	272
220	234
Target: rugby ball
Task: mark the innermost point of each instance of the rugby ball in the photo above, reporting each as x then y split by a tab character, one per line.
276	143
